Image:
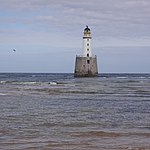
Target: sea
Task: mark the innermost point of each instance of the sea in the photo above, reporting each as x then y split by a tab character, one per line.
50	111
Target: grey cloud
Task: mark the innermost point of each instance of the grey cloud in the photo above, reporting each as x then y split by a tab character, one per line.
109	18
117	10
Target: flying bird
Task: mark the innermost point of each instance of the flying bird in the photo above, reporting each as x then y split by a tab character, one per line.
14	50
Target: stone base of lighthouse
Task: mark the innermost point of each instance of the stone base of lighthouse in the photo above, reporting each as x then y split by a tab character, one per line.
86	66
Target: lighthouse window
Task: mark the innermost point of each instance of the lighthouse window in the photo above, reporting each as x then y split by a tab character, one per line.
88	55
87	44
87	49
88	61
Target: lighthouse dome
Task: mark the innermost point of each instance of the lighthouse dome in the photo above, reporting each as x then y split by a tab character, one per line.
87	29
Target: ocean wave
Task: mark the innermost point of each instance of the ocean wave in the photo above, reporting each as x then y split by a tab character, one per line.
17	82
52	83
109	134
3	94
36	83
122	77
3	82
25	83
97	134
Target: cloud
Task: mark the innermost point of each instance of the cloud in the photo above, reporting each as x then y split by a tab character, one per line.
109	18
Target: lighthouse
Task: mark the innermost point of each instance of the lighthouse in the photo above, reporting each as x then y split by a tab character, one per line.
86	64
87	42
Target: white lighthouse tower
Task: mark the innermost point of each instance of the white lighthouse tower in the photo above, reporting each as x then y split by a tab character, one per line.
86	64
87	42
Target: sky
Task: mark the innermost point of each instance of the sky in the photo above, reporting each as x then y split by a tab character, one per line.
47	35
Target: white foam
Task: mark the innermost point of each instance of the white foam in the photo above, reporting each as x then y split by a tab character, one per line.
24	83
2	94
53	83
121	77
3	82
